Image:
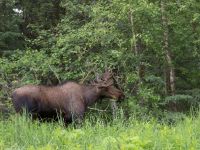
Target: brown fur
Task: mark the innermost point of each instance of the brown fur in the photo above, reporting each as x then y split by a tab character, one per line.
69	100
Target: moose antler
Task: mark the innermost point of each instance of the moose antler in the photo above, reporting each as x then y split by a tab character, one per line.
105	80
98	78
103	83
107	75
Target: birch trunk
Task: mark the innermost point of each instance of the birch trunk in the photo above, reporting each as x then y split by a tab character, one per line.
136	45
169	70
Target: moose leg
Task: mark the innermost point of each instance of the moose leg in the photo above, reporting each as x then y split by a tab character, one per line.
78	116
76	110
75	117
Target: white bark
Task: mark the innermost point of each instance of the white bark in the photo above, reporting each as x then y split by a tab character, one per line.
170	73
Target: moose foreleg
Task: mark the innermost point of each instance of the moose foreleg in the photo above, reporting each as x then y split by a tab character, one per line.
78	115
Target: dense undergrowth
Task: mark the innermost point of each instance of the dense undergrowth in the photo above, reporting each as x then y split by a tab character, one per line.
19	132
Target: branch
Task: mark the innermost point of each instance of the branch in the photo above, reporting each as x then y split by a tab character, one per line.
82	80
56	75
104	110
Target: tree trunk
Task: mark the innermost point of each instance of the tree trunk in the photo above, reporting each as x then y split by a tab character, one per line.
136	47
134	40
170	74
169	68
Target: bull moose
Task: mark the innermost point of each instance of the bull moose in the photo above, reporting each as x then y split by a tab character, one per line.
70	100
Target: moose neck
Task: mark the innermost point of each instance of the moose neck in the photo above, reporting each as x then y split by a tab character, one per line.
90	94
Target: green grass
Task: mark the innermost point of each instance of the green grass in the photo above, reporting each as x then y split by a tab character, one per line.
22	133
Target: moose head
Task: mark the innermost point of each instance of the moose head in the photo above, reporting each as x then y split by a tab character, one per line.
107	86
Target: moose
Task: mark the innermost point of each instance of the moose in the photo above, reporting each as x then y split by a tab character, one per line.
68	100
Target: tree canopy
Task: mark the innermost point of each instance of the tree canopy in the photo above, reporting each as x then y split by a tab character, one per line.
152	47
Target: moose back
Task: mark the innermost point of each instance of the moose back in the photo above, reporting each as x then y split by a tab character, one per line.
69	100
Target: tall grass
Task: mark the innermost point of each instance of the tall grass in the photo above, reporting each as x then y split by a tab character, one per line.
19	132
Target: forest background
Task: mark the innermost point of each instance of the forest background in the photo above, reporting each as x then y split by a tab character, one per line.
152	47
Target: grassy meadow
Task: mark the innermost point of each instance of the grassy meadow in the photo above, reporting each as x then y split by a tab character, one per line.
19	132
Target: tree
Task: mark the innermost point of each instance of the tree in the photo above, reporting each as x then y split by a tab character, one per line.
10	35
169	70
40	17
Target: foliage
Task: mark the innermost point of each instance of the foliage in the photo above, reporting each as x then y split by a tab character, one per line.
74	40
22	133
